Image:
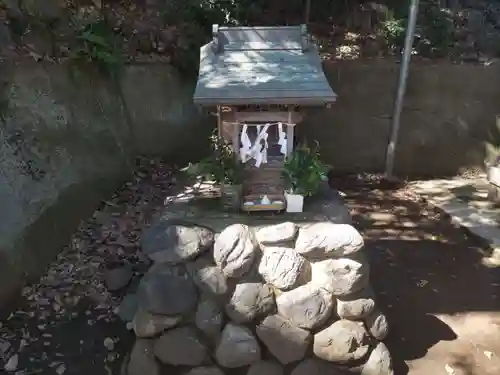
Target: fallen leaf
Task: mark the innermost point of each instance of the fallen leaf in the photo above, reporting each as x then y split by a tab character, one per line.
12	363
109	343
61	369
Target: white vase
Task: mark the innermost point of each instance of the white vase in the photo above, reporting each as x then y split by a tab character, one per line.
294	202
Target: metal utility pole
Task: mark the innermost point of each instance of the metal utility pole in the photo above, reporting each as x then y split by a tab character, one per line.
307	12
403	77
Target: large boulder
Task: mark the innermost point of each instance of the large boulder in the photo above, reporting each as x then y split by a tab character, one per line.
235	250
146	324
142	359
181	347
250	301
167	290
237	347
376	323
342	276
168	243
204	370
269	367
328	240
277	234
283	267
287	342
209	318
208	277
379	362
343	342
315	366
356	306
307	306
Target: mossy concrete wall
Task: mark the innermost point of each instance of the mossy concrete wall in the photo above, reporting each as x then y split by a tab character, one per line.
68	139
449	118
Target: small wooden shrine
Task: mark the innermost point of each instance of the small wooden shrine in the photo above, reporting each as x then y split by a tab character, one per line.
258	80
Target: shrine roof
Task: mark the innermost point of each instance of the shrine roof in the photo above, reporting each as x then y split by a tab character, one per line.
261	65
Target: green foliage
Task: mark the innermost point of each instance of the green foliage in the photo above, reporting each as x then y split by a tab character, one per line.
97	44
222	166
435	30
304	171
394	32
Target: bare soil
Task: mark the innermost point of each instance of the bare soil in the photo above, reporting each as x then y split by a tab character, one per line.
442	303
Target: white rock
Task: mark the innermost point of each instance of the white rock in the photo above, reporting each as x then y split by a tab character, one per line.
341	276
379	362
343	342
250	301
322	240
285	341
377	325
307	306
276	234
283	267
235	250
237	347
356	306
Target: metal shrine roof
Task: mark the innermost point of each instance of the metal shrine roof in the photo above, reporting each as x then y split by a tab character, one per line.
261	65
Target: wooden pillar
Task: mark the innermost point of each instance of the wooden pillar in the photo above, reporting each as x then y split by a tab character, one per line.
289	135
236	140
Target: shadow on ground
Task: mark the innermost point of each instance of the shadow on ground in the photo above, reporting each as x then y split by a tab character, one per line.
424	269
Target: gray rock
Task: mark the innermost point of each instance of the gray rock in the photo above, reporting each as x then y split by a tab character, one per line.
285	341
250	301
128	307
283	267
326	240
118	278
356	306
276	234
167	290
146	324
315	366
167	243
377	325
379	362
209	318
208	278
235	250
207	370
270	367
341	276
181	347
307	306
142	359
343	342
237	347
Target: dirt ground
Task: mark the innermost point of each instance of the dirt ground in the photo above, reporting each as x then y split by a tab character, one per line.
441	302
